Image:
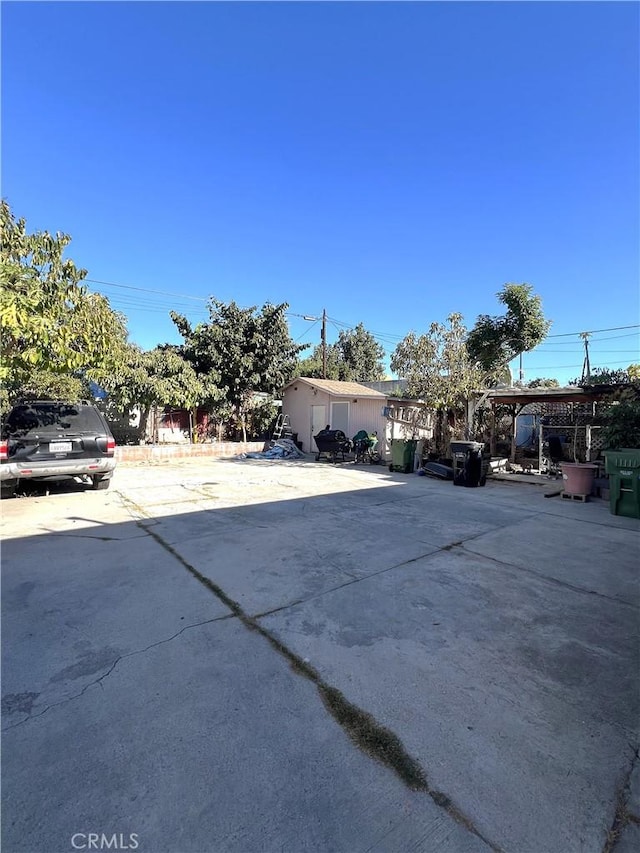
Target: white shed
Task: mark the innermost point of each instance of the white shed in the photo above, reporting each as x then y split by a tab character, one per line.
311	404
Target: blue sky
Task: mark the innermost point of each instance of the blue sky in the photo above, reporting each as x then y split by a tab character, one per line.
388	162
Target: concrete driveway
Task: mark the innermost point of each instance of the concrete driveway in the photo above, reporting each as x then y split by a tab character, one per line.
238	656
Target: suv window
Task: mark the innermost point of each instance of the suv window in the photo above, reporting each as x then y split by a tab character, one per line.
52	417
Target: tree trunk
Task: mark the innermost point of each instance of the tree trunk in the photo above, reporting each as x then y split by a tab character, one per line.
193	418
446	436
144	422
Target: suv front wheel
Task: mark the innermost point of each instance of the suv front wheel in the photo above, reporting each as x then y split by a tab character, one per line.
100	483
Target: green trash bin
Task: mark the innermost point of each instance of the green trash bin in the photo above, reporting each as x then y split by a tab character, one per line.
402	454
623	468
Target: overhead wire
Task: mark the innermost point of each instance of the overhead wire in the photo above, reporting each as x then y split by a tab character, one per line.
133	303
335	320
594	331
306	331
577	351
567	366
157	304
146	289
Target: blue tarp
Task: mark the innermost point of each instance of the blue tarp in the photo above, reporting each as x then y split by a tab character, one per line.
284	448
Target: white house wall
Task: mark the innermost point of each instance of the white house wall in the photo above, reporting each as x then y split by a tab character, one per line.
365	414
296	402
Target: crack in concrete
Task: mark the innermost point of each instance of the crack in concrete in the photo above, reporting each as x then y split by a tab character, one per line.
432	553
623	729
590	521
362	728
111	668
346	583
622	816
542	576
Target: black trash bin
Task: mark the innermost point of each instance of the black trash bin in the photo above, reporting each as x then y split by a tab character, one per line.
470	463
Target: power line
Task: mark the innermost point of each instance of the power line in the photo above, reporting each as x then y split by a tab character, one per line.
158	304
594	331
567	366
598	340
384	337
576	351
146	289
306	331
389	335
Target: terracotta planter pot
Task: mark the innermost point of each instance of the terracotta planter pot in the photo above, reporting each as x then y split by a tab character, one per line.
578	477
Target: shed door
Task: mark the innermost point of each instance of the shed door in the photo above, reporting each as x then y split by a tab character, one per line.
318	422
340	417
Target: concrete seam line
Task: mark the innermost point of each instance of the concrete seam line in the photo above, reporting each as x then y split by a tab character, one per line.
112	666
589	521
621	817
130	505
547	578
361	727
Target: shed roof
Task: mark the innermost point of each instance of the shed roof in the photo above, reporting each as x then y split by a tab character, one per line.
339	389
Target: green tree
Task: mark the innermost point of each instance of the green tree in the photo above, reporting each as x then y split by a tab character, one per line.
621	420
361	355
245	349
157	377
436	364
619	412
438	369
355	357
45	384
495	341
543	382
604	376
50	324
312	365
261	418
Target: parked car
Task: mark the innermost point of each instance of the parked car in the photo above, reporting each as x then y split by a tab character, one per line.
54	440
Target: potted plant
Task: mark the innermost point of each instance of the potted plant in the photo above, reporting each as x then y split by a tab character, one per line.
578	477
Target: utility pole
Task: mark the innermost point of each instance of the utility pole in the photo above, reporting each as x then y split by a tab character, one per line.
324	343
323	338
586	366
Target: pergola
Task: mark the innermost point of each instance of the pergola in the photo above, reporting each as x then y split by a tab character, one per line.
518	398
